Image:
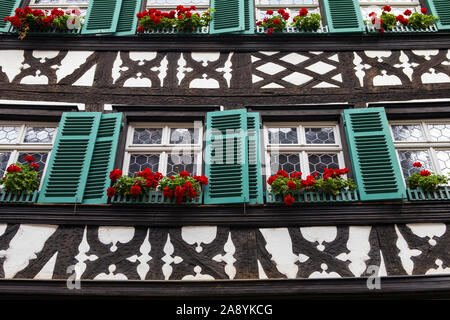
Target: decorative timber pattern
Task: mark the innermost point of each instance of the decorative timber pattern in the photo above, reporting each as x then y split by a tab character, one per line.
208	253
230	78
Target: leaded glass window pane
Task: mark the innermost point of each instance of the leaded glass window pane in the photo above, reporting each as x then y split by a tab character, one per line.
283	135
439	132
408	157
147	136
39	158
183	136
319	136
139	162
407	133
181	162
443	157
4	158
39	135
9	134
289	162
319	161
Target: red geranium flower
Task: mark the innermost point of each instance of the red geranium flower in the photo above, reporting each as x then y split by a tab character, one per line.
13	168
168	193
110	192
424	10
276	21
35	166
269	12
135	190
29	158
184	174
291	185
115	174
281	11
407	12
386	8
270	31
283	173
303	12
289	200
425	173
417	164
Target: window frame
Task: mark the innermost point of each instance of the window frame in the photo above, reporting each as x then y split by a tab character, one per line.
292	9
61	4
378	4
302	148
426	145
20	146
165	147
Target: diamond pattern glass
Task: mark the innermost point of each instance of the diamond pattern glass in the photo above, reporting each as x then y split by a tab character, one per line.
39	158
283	135
407	133
147	136
439	132
181	162
4	158
319	161
443	157
319	135
8	134
289	162
139	162
183	136
408	157
39	135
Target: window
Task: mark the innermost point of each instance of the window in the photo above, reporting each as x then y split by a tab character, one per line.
166	148
168	5
18	139
291	6
398	6
305	147
61	4
424	141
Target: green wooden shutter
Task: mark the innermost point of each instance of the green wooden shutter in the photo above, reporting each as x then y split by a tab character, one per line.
343	15
103	159
226	157
68	166
228	17
441	9
254	159
375	166
127	23
102	16
7	8
249	17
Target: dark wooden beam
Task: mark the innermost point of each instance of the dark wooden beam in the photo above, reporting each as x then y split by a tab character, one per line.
237	215
406	287
231	42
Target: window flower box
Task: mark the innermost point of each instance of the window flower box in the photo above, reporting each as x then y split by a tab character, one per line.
165	31
295	30
152	197
402	29
8	197
418	194
315	197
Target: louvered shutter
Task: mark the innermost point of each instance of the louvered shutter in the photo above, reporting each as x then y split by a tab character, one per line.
68	166
249	17
102	16
226	157
228	17
7	8
343	15
127	23
103	158
375	166
441	9
254	158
